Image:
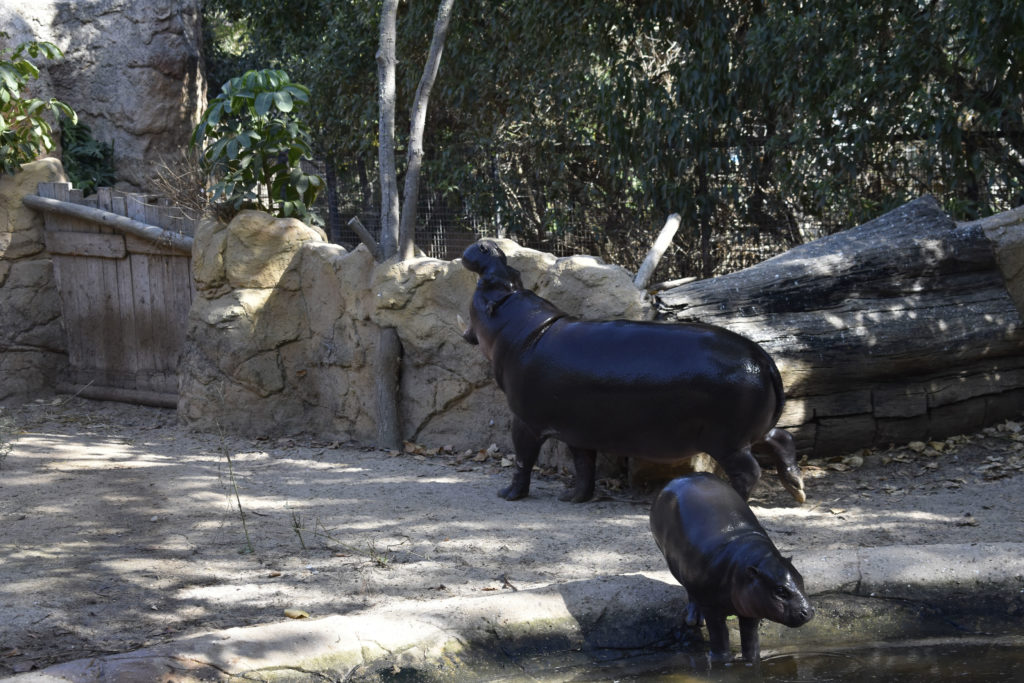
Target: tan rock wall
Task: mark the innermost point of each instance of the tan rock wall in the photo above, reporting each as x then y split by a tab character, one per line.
281	339
32	347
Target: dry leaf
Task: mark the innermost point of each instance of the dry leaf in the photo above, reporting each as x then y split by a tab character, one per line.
292	613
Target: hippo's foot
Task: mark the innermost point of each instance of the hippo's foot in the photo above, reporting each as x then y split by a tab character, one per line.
576	496
514	491
792	481
782	452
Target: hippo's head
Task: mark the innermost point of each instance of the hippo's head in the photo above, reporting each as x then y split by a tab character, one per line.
488	260
773	589
497	281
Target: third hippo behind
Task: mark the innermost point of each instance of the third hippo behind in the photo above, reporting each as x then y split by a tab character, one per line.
717	549
666	391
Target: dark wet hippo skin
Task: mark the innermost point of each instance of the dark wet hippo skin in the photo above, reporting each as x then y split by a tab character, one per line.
717	549
661	391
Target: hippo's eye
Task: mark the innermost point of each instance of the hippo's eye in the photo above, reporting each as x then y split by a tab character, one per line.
782	592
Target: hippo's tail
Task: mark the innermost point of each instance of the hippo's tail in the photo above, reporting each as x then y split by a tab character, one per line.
780	392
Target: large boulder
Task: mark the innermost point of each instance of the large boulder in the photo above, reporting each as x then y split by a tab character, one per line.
32	347
132	71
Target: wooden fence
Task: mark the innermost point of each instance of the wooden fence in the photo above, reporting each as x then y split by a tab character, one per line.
123	269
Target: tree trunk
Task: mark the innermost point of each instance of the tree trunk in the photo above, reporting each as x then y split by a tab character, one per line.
386	130
899	329
389	346
396	238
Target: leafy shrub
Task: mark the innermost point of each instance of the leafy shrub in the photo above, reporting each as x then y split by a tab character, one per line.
88	162
25	134
252	142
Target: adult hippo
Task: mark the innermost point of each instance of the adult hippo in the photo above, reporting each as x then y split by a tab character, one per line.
717	549
657	390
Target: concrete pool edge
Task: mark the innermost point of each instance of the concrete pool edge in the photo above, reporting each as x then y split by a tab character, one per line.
861	595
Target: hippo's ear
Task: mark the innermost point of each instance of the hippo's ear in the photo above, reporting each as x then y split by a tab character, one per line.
515	279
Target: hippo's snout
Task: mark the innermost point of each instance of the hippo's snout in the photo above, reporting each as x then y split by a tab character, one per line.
801	615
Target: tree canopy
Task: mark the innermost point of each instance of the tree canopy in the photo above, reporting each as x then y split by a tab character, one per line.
747	118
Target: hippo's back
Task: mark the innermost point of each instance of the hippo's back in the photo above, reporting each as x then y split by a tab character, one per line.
700	523
658	389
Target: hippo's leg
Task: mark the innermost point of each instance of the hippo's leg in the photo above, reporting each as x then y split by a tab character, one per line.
782	451
585	464
718	638
750	643
693	616
527	444
741	468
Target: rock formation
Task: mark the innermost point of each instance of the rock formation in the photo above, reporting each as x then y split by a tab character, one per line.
32	347
131	70
280	339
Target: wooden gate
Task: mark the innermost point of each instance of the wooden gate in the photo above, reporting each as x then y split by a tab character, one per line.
123	270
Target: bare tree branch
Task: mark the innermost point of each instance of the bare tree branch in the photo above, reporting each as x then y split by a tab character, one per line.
365	237
650	264
407	231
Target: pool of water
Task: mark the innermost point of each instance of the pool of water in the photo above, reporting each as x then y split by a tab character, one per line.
962	661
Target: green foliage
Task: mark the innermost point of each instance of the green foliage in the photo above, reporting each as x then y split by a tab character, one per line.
25	133
88	162
253	141
745	117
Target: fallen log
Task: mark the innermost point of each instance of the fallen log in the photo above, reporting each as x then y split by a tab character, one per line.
900	329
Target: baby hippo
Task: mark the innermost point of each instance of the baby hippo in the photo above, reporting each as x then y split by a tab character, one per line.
716	548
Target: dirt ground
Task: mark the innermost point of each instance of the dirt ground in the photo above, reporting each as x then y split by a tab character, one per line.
122	529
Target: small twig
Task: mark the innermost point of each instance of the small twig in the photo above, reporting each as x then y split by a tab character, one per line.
297	525
238	498
505	583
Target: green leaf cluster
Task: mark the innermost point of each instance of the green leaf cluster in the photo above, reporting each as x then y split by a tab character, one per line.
253	141
25	132
88	162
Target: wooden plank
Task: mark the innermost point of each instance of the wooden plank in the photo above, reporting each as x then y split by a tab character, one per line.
163	327
135	208
107	221
85	244
103	198
136	245
142	305
141	397
73	281
110	337
126	310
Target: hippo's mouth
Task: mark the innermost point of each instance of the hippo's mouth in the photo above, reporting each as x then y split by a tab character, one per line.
799	617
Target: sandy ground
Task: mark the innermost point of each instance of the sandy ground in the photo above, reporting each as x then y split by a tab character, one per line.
122	529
